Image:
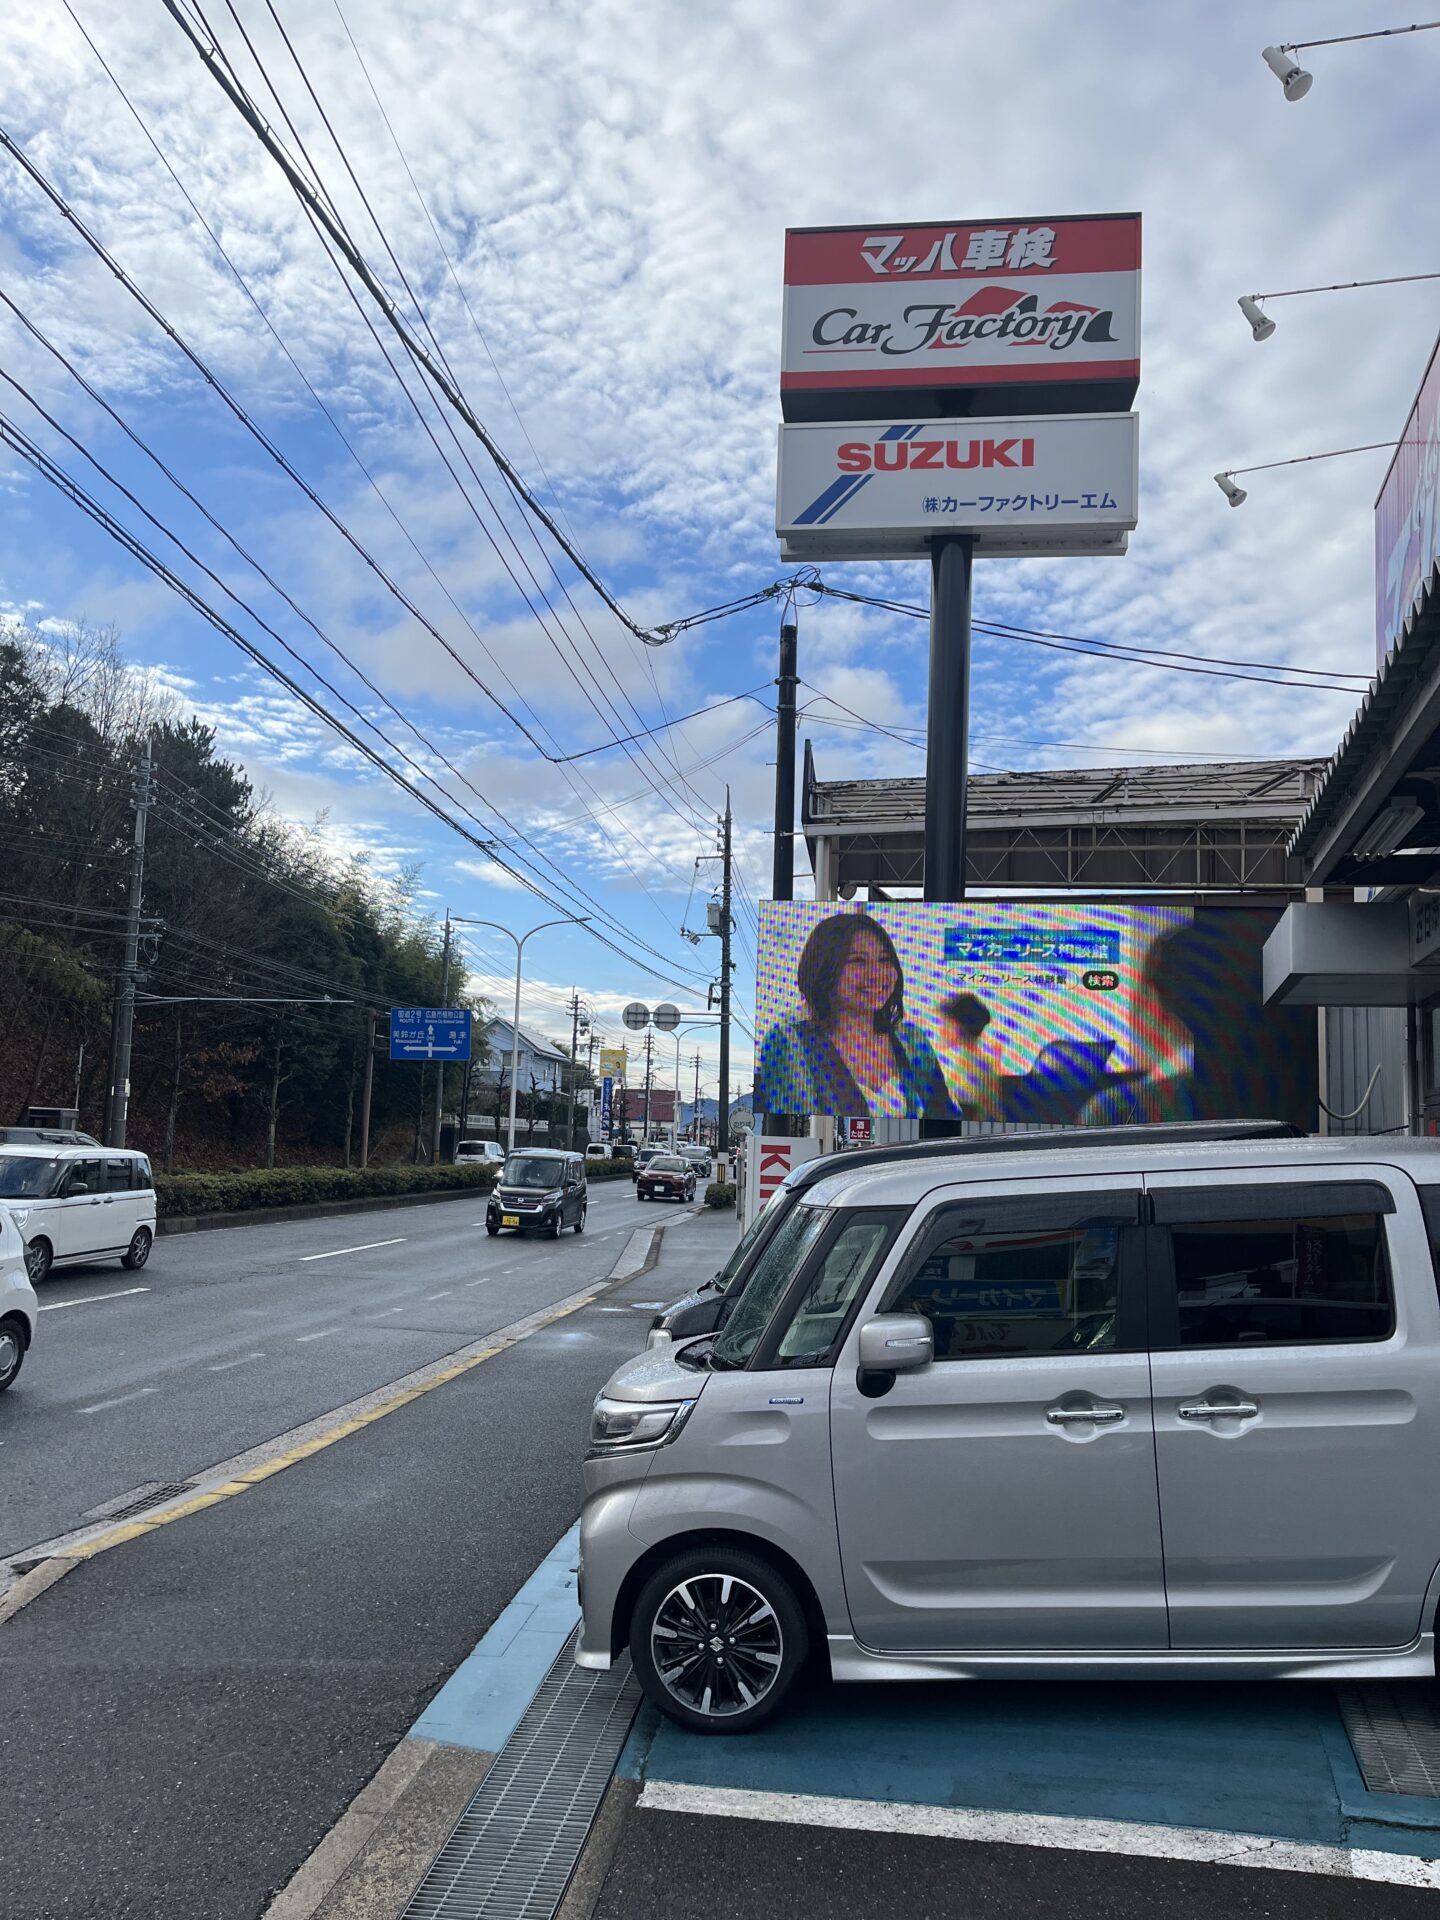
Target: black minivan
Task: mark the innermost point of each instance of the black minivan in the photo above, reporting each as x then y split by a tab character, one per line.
540	1190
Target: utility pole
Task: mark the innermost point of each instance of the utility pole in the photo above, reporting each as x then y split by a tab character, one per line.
723	1136
782	885
440	1064
574	1062
370	1018
699	1129
649	1056
118	1106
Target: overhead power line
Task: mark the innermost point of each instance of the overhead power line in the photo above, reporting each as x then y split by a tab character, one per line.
219	67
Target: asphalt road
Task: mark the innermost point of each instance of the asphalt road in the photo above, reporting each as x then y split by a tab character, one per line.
187	1715
231	1336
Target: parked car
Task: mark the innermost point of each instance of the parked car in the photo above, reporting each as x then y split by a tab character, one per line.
1136	1411
597	1150
78	1203
665	1177
46	1136
705	1309
540	1190
479	1153
18	1308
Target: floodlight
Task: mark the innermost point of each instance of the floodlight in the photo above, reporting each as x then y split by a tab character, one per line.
1228	487
1288	71
1261	325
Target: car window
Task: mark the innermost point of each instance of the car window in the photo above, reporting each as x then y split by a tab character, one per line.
668	1165
1010	1277
1285	1281
776	1268
23	1177
143	1182
119	1175
83	1173
847	1264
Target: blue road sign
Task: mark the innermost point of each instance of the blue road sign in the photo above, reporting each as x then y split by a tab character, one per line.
429	1033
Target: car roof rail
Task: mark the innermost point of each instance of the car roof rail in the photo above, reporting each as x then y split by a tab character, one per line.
1162	1133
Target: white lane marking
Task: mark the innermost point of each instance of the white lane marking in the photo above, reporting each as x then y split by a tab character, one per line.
102	1406
323	1334
444	1294
1061	1831
368	1247
478	1283
92	1299
384	1311
244	1361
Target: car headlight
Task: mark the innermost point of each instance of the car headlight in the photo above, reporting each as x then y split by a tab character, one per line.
621	1425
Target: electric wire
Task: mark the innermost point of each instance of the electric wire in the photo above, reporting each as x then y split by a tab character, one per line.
219	67
64	483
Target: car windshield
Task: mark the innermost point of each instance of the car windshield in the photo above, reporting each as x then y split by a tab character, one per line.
527	1170
775	1269
23	1178
472	1146
667	1165
735	1267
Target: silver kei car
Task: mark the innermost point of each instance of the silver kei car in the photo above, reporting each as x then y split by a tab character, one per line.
1156	1412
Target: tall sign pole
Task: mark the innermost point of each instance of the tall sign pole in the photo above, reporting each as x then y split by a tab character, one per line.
947	743
782	884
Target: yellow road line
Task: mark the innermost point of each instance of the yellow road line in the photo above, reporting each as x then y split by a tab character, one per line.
227	1490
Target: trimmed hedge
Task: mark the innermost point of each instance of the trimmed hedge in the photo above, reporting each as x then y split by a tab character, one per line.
182	1194
607	1169
720	1193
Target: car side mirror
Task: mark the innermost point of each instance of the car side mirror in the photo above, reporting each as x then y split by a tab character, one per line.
77	1186
896	1343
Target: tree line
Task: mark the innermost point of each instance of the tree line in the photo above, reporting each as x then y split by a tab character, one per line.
262	950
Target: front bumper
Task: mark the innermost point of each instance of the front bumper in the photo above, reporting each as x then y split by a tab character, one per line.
608	1550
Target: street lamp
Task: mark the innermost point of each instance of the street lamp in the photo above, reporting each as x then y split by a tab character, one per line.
1293	77
675	1117
569	920
1262	326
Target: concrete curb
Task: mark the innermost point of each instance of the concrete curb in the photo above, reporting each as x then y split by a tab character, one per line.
312	1210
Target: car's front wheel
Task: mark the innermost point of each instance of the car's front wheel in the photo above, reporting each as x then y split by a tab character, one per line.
138	1251
39	1258
580	1221
717	1638
12	1350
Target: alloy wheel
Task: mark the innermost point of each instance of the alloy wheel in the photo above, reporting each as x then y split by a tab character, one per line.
717	1644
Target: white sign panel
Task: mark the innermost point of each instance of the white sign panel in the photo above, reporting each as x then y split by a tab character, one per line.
1010	308
1037	485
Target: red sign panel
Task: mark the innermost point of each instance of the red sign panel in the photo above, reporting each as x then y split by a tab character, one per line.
1019	308
1407	515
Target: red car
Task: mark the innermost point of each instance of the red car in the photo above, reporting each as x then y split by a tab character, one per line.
666	1178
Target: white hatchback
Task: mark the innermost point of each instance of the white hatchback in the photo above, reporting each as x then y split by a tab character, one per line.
17	1302
78	1203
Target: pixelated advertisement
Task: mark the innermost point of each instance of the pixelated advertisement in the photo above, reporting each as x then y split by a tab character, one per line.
1058	1013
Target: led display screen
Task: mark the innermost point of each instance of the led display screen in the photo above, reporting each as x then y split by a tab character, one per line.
1056	1013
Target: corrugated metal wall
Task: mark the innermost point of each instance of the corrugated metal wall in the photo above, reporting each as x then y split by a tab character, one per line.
1358	1040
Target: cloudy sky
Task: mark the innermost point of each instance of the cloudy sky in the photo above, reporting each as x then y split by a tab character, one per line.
587	199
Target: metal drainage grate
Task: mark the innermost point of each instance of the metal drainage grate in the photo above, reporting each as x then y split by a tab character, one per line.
140	1500
1395	1732
515	1846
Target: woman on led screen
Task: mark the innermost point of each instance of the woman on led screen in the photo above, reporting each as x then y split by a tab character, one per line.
852	1051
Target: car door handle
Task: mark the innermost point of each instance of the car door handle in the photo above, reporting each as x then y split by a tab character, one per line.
1217	1409
1073	1416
